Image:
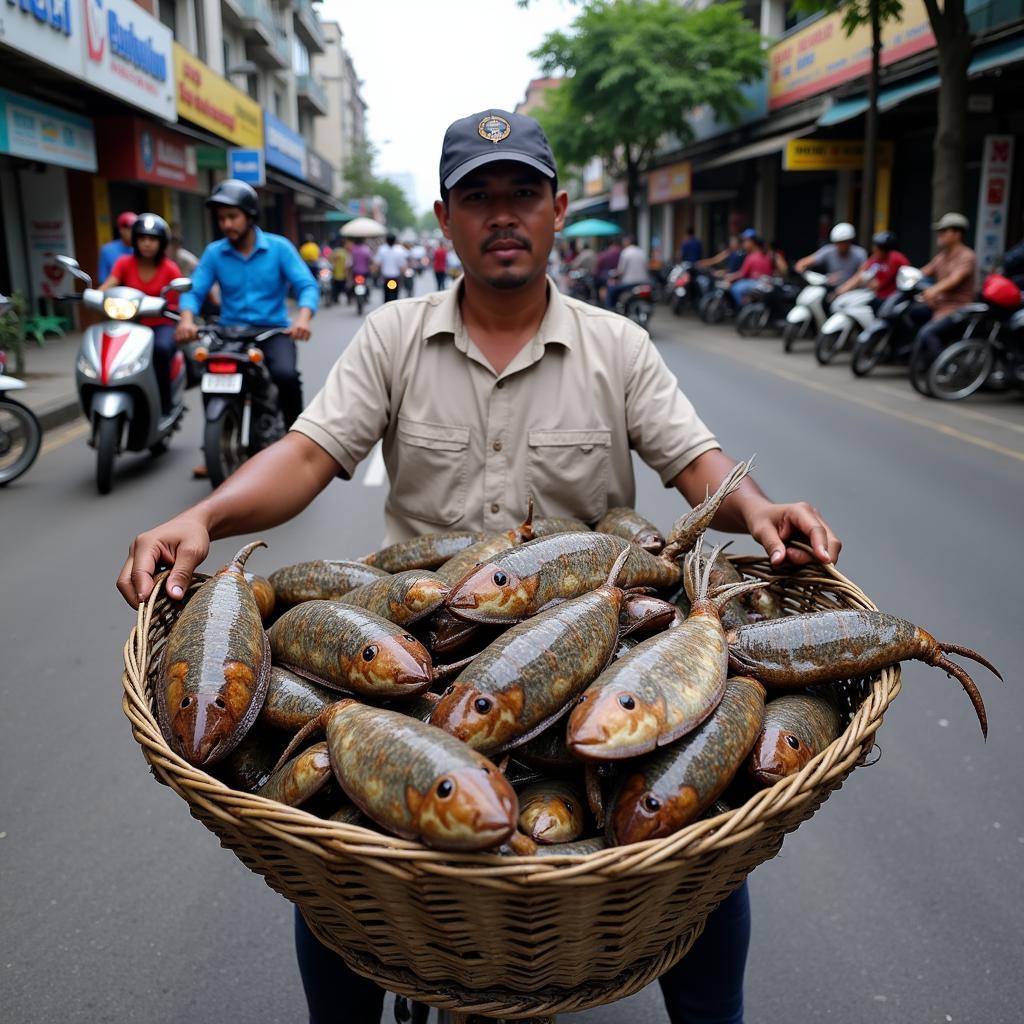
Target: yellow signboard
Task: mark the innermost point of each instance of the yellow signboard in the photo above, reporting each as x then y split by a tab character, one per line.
830	154
209	101
822	56
669	183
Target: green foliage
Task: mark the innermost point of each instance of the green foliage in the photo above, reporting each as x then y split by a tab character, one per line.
400	212
634	69
855	12
12	331
361	182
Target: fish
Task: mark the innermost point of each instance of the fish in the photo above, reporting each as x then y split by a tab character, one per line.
551	811
215	668
252	762
547	526
292	701
347	648
643	614
320	580
429	551
628	524
672	787
301	778
402	598
484	550
797	727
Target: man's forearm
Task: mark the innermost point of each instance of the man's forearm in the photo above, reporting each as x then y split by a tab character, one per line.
704	474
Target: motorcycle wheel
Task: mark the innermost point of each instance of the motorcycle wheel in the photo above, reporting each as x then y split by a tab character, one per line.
639	313
752	320
960	370
360	302
20	439
222	445
678	305
827	345
867	355
108	433
791	334
712	309
919	374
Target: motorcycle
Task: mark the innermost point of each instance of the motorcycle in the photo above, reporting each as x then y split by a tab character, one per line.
637	303
20	432
409	280
890	335
391	288
690	285
240	399
766	307
809	312
851	313
360	292
582	286
324	279
115	375
716	303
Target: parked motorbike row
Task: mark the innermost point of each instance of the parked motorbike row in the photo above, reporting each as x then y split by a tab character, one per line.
803	308
635	302
20	432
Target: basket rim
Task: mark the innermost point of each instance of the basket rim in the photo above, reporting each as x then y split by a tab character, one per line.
405	858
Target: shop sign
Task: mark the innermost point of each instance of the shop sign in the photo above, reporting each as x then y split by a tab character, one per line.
46	215
128	53
993	199
47	30
830	154
284	148
618	197
40	132
666	184
211	158
593	177
319	172
822	56
209	101
247	165
132	149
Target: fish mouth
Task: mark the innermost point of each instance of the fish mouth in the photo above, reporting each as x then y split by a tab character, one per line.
599	731
489	594
482	816
203	729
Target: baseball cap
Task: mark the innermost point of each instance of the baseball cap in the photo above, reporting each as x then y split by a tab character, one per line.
491	135
952	220
126	219
748	233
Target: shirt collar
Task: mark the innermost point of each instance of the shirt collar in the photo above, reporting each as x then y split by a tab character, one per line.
445	318
260	245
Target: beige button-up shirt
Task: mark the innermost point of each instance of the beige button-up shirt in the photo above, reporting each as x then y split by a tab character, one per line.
465	446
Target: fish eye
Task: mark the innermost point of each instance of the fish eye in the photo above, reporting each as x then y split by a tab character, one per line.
482	705
411	639
627	701
793	741
449	691
219	701
568	806
369	653
500	579
185	701
652	804
445	788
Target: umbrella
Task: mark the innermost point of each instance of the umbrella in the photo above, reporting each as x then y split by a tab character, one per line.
592	228
363	227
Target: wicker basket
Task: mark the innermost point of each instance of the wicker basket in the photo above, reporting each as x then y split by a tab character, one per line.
509	936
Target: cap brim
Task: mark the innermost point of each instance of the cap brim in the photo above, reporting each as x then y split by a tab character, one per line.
489	158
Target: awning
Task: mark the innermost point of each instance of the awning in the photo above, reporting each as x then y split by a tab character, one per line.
288	182
1007	52
591	203
775	144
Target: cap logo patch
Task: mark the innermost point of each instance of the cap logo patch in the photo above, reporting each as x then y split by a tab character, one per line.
494	128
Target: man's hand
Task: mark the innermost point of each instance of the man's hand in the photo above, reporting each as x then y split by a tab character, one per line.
300	330
775	525
182	543
931	295
186	329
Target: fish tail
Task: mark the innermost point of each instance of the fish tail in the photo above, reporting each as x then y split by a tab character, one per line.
966	652
238	562
613	573
972	690
309	729
526	529
724	594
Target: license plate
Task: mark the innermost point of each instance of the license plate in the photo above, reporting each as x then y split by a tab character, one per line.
221	383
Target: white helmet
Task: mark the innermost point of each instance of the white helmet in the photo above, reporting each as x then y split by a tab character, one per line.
843	232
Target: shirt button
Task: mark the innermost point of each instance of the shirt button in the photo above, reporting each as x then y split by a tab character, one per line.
500	384
495	508
496	446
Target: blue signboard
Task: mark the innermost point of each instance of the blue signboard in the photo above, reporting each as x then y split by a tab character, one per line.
286	150
37	131
247	165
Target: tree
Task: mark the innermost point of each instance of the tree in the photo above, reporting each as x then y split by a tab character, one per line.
400	212
632	71
362	182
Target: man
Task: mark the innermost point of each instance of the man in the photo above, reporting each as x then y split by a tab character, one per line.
757	263
310	253
484	394
630	271
604	267
878	271
840	259
730	258
254	269
339	270
954	269
691	250
118	247
585	259
360	260
440	259
389	261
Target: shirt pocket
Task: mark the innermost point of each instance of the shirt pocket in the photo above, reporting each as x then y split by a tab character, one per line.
567	471
430	483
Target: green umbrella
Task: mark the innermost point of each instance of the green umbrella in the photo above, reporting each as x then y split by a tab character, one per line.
592	228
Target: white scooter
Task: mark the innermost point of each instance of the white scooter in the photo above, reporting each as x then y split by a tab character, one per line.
115	376
809	314
851	313
20	432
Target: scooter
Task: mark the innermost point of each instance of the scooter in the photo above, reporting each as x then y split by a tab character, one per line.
20	432
851	313
810	311
360	292
391	288
582	286
115	376
324	280
890	335
637	303
766	307
409	280
716	303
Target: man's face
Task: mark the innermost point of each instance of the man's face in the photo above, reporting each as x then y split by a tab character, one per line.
125	230
948	237
843	247
748	245
233	223
502	220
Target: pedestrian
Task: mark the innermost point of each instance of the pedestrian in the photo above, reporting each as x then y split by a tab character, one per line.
585	260
691	250
495	389
148	268
389	261
604	267
757	263
630	271
360	261
878	271
840	259
441	266
339	272
120	246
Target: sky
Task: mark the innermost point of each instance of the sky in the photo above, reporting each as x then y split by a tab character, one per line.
426	63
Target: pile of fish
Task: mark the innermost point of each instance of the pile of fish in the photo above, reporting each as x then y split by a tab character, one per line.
548	690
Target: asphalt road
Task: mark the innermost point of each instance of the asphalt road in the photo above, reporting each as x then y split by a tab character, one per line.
899	901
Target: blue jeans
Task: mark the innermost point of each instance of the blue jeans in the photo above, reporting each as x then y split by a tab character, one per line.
705	987
283	365
164	347
739	289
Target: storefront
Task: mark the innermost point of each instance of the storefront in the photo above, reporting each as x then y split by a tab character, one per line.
285	152
668	196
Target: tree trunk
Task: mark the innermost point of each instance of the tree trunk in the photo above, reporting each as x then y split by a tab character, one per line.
868	194
632	191
950	149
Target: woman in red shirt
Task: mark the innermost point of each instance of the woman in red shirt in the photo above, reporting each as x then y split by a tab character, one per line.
757	263
148	269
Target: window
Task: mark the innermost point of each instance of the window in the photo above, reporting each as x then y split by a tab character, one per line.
168	12
300	57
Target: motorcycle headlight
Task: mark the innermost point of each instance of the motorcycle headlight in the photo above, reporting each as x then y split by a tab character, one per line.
85	368
130	369
120	309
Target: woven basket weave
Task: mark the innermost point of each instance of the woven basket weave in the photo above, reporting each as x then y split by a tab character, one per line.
509	937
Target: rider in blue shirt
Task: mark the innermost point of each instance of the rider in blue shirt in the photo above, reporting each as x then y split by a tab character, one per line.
120	246
691	250
254	269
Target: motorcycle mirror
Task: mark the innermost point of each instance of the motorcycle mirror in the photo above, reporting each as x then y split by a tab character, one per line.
179	284
69	262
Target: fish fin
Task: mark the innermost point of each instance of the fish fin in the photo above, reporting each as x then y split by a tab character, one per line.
724	594
683	535
442	672
966	652
613	573
595	799
238	562
526	527
309	729
972	690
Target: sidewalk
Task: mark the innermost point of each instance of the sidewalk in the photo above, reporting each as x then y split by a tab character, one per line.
50	379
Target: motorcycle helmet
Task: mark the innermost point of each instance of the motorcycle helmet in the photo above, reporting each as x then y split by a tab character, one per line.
240	194
149	225
1001	291
842	232
126	219
748	233
885	240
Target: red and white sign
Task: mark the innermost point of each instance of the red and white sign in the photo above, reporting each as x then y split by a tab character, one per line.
993	200
131	149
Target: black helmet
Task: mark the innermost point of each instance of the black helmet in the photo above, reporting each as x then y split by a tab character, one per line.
233	192
149	225
884	240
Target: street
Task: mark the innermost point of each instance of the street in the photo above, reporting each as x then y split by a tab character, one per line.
898	902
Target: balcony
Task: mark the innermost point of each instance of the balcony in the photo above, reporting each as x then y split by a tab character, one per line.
307	25
309	91
264	37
